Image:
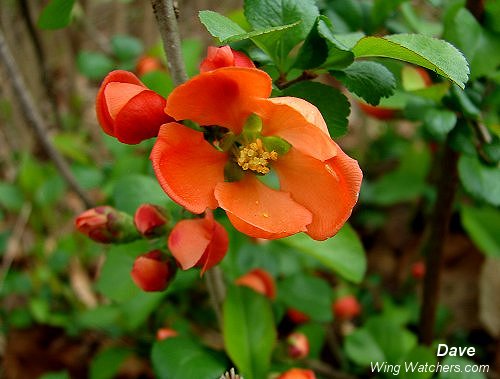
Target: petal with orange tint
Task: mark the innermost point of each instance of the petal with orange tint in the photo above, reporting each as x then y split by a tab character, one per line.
328	189
264	209
299	123
188	241
118	94
218	246
103	115
141	117
224	97
187	167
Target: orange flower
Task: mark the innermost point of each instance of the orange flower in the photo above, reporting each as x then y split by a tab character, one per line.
346	307
224	56
297	373
260	281
201	242
151	272
246	135
127	109
151	220
164	333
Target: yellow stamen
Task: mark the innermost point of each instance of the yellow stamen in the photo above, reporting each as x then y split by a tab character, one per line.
254	157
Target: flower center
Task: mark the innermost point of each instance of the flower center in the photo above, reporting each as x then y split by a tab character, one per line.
254	157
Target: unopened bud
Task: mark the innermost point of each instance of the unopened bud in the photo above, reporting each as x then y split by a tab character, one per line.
152	272
298	345
164	333
346	307
151	220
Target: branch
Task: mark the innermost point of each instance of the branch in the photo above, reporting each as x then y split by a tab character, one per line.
216	290
167	21
433	246
35	120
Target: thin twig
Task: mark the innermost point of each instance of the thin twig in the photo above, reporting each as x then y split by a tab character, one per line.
306	75
216	291
35	120
433	246
169	30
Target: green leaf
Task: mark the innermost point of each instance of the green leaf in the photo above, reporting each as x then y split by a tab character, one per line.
158	81
106	363
55	375
94	65
339	54
332	104
416	361
133	190
481	224
180	357
459	370
220	26
428	52
10	197
56	14
126	48
262	14
343	253
439	122
369	80
249	332
479	180
308	294
362	349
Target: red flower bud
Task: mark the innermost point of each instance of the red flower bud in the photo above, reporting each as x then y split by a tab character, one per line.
147	64
200	242
297	373
298	345
106	224
296	316
224	56
418	270
151	272
150	220
164	333
128	110
346	307
260	281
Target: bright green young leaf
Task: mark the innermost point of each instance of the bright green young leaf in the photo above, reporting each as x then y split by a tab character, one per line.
126	48
479	180
262	14
481	224
220	26
369	80
439	122
343	253
332	104
134	190
416	360
180	357
94	65
362	349
106	363
56	14
307	294
249	331
428	52
459	371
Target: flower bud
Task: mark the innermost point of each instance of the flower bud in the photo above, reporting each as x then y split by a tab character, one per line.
151	220
151	272
297	316
198	243
346	307
418	270
224	56
105	224
128	110
298	345
260	281
164	333
147	64
297	373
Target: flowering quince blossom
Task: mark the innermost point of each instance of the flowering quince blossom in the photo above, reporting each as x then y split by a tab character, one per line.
297	373
199	242
127	109
224	56
150	220
260	281
151	272
245	135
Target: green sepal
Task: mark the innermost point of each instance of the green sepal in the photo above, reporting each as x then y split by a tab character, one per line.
277	144
232	172
227	141
252	128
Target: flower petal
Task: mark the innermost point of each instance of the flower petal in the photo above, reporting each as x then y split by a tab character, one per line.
188	241
268	212
141	117
187	167
223	97
102	111
299	123
218	246
118	94
328	189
